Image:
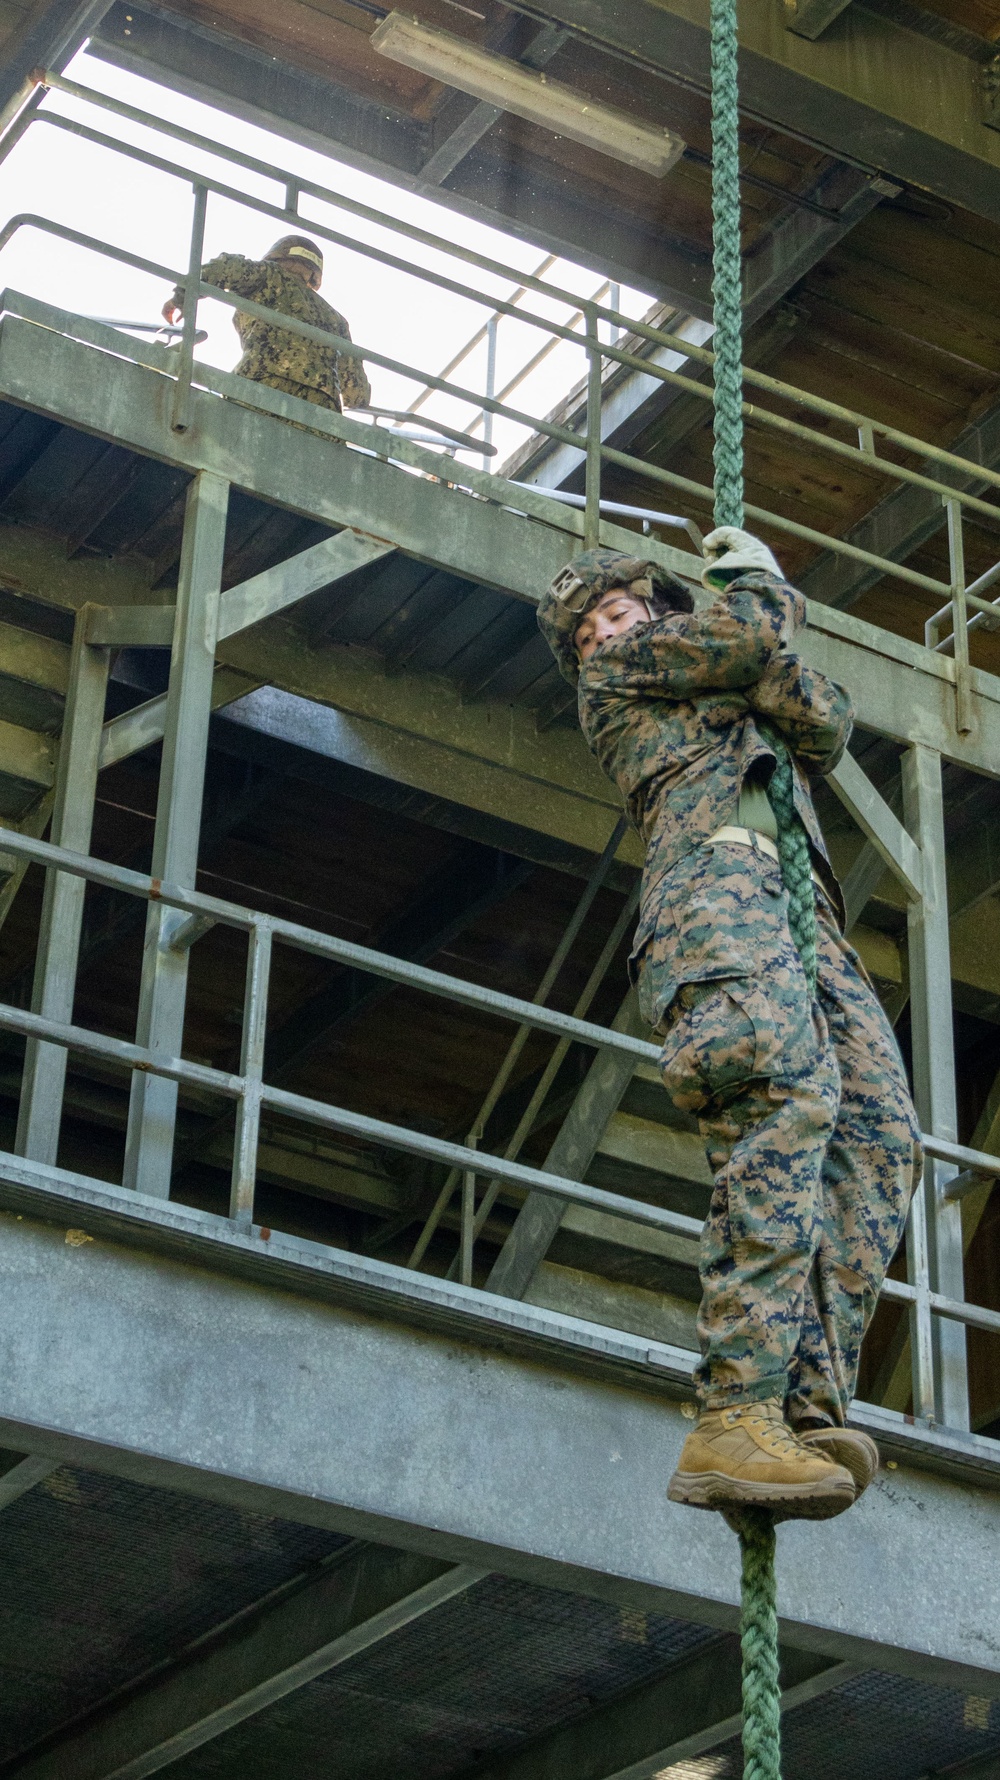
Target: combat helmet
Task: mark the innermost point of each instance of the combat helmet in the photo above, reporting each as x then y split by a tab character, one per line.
297	247
588	577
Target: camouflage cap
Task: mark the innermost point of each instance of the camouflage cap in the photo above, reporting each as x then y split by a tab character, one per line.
587	578
296	247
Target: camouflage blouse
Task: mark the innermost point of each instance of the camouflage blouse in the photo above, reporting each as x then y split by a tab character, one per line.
670	709
270	352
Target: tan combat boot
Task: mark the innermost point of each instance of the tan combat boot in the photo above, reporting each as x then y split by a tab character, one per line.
856	1452
748	1455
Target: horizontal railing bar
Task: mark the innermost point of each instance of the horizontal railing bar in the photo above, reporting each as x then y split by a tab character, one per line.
325	945
339	1118
291	324
701	492
120	1051
657	336
980	1161
300	1107
466	1160
562	434
566	332
340	428
976	1316
195	903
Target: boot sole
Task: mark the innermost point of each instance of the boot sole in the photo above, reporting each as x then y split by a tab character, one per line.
859	1455
714	1490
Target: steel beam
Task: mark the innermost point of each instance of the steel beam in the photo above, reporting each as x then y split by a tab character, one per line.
143	725
694	1707
40	1111
12	870
19	1473
873	91
235	77
570	1155
810	18
141	1363
934	1069
54	36
879	823
27	659
358	1599
160	1024
240	607
897	685
26	756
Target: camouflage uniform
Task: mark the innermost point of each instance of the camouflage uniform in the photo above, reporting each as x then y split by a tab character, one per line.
804	1107
271	354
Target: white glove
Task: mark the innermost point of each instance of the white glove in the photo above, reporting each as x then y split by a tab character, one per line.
730	552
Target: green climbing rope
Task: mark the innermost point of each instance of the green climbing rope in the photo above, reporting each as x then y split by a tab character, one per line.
794	859
759	1626
727	285
759	1643
727	344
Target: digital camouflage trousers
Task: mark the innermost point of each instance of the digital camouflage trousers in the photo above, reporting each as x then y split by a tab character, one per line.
808	1125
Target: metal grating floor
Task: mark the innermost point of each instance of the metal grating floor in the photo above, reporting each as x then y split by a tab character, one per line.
482	1675
874	1727
102	1579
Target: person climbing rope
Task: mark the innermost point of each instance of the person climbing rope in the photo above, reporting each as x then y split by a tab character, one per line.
711	727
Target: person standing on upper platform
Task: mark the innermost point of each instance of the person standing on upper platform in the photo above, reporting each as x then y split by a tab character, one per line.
287	279
800	1094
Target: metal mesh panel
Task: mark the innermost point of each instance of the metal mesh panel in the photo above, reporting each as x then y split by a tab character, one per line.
876	1727
102	1579
481	1675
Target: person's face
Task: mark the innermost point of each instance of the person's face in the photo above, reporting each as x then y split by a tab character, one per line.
614	613
305	272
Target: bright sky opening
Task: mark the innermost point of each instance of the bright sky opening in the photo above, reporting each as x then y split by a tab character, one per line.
147	211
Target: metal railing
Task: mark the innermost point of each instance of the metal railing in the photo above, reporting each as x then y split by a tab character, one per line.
197	914
964	608
187	914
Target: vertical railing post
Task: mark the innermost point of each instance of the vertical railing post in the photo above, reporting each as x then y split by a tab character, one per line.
244	1174
592	511
467	1237
934	1080
44	1077
160	1024
491	384
180	415
959	617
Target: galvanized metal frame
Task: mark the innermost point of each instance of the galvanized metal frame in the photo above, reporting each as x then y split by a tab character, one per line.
865	429
182	913
178	915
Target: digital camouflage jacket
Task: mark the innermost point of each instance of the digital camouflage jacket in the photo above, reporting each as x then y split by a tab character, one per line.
272	352
671	711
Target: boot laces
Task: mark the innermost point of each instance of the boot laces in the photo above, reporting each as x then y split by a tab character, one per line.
777	1435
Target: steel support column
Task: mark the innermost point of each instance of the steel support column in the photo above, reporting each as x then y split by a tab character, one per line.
934	1084
40	1112
160	1024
